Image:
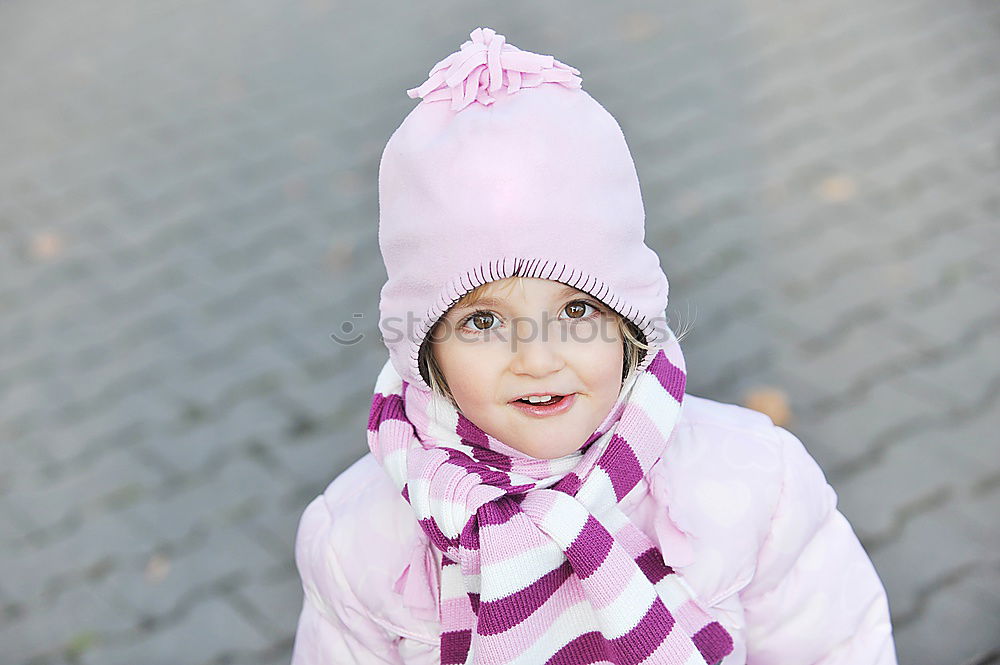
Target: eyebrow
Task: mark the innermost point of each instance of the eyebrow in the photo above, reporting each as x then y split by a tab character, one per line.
496	302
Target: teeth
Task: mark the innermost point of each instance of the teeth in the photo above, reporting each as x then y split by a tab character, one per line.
540	400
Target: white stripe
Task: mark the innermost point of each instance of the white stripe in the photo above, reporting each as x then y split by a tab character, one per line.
672	592
561	631
628	607
667	649
666	408
388	381
442	419
450	517
395	464
473	583
597	491
453	583
511	575
418	489
665	424
563	522
446	513
614	520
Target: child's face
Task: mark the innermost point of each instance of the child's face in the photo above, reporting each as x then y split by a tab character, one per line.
496	350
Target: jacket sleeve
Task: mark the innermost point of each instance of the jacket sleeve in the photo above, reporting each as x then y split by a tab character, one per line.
334	628
815	598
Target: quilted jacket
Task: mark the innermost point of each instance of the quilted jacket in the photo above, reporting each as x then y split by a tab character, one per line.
736	504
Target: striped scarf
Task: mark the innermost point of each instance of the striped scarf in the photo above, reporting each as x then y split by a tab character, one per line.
540	563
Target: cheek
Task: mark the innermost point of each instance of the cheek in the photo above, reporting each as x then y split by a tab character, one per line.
607	355
468	368
456	357
612	367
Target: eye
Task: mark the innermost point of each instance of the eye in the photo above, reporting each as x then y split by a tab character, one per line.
578	309
481	322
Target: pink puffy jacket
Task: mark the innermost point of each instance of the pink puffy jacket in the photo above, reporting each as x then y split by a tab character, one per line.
737	506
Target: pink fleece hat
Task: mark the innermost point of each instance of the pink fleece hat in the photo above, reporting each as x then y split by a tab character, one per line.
508	167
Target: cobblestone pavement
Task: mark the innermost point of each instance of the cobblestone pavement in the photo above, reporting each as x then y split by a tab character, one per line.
188	210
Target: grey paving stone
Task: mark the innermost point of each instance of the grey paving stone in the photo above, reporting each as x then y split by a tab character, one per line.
858	361
177	575
14	525
930	551
920	470
82	551
78	438
231	491
113	478
270	599
212	628
979	508
313	458
843	435
196	448
970	608
970	302
962	375
819	180
72	624
976	432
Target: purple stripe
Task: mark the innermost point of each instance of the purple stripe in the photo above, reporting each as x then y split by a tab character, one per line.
635	646
498	511
570	484
496	616
494	478
497	479
587	648
671	377
385	407
474	601
375	412
590	548
470	432
491	457
714	642
455	646
621	465
652	565
475	437
519	491
406	492
469	538
629	649
440	541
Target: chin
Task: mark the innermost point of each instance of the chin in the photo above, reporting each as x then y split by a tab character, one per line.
552	452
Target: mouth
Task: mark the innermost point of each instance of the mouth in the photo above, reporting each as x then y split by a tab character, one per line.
556	405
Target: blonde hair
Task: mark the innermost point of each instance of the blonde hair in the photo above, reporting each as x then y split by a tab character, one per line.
633	341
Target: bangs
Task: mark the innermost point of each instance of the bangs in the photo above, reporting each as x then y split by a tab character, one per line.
483	290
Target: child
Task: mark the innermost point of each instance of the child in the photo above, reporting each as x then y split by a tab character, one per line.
621	520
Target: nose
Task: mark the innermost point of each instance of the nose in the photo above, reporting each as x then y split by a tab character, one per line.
535	353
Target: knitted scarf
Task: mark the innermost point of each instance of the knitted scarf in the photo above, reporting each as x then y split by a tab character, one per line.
540	563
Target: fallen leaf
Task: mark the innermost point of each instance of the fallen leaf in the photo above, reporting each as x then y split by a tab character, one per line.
837	189
770	401
46	245
639	26
157	568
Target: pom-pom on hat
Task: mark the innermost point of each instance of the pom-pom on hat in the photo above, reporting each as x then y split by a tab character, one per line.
508	167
